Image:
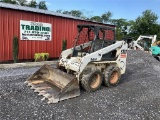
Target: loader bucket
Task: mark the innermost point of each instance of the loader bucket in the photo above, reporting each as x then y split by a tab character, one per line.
53	84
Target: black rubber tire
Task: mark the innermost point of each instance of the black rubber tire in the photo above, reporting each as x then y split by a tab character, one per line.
87	80
157	58
108	76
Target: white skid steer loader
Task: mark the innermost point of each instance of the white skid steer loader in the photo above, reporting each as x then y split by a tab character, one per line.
143	42
92	61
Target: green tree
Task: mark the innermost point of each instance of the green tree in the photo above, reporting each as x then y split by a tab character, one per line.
66	12
32	3
59	11
157	29
64	45
22	2
106	17
145	24
15	49
122	26
9	1
76	13
42	5
96	18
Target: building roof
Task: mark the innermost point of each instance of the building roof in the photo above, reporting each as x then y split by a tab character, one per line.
47	12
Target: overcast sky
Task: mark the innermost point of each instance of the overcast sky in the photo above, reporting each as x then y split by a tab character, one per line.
128	9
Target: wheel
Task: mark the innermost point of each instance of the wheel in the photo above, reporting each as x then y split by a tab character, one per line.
91	81
112	76
158	58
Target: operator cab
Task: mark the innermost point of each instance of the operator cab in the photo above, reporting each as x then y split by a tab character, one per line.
92	38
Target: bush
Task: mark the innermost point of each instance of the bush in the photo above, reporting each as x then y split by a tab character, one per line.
64	45
41	57
15	49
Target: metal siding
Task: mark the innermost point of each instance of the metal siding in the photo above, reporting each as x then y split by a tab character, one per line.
62	28
1	35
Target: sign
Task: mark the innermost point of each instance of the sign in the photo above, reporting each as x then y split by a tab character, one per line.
30	30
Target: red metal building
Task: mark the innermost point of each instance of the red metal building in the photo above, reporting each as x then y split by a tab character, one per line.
63	27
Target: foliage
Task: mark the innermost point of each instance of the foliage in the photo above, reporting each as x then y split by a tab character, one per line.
32	3
9	1
76	13
15	49
41	57
119	34
122	27
96	18
145	24
18	2
42	5
157	29
59	11
64	45
106	17
22	2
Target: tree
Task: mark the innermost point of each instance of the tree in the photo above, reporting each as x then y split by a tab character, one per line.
15	48
96	18
76	13
156	28
32	3
9	1
145	24
106	17
42	5
22	2
59	11
122	26
66	12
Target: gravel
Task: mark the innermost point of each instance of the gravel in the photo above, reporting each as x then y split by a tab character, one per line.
137	97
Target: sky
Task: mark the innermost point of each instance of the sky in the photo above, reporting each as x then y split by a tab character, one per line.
127	9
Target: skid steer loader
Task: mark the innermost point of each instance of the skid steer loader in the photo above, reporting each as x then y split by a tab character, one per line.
148	44
143	43
94	59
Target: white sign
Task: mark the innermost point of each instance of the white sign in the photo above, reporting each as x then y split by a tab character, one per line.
30	30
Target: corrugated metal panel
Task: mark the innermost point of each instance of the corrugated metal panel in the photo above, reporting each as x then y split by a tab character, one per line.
62	28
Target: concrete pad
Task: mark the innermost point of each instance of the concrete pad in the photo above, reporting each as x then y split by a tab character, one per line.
27	64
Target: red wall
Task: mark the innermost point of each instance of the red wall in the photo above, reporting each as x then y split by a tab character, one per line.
62	28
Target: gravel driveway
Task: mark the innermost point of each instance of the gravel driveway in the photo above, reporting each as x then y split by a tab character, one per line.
137	97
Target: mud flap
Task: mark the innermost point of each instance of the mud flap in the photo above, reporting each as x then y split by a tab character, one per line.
53	84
